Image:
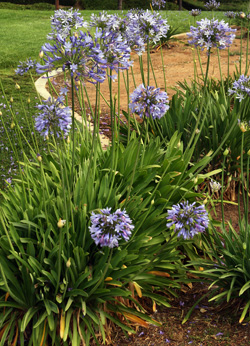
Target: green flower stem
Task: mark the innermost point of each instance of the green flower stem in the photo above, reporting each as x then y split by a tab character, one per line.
222	191
221	76
163	69
228	62
73	135
33	82
133	76
142	70
246	70
128	109
103	274
152	68
247	196
148	62
200	63
241	37
242	172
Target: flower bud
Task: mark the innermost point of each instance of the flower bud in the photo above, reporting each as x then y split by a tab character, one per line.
1	113
76	34
12	125
17	86
68	140
68	263
195	180
226	152
61	223
28	100
242	15
41	54
78	83
248	153
39	157
115	97
11	99
197	131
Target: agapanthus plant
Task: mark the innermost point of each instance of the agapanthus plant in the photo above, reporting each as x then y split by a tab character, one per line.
149	101
159	3
53	118
211	33
108	228
195	12
64	22
188	219
25	66
241	88
212	5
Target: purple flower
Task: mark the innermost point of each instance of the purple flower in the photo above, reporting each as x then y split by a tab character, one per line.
212	5
241	88
63	22
149	101
159	3
53	119
211	33
219	334
188	219
80	54
230	14
195	12
25	66
108	228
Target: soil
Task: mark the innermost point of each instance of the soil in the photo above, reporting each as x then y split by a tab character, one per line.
208	325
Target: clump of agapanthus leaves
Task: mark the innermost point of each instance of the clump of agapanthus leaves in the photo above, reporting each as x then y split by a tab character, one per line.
195	12
149	101
53	118
108	228
64	22
80	54
212	5
159	3
25	66
188	219
211	33
241	88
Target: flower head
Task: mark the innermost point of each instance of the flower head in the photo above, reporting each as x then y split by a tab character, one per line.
159	3
215	186
244	125
149	101
241	88
212	5
53	118
230	14
195	12
25	66
188	219
108	228
241	14
63	22
211	33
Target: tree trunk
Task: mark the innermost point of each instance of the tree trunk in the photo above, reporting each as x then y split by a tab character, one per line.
57	4
119	4
180	5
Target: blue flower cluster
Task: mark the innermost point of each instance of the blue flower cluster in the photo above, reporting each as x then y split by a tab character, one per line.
230	14
63	22
159	3
149	101
211	33
212	5
241	88
25	66
53	118
108	228
195	12
188	219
